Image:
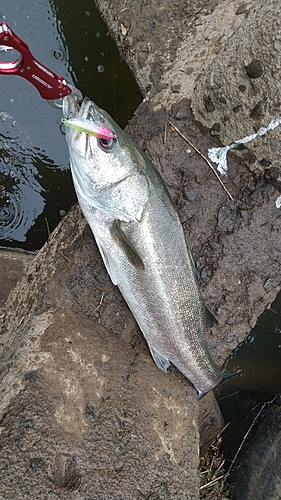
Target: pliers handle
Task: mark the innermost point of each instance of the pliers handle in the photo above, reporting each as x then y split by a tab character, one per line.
49	85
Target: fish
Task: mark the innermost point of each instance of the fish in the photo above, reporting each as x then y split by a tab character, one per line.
142	243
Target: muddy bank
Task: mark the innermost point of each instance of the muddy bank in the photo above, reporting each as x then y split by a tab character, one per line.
224	58
175	50
236	243
85	412
13	266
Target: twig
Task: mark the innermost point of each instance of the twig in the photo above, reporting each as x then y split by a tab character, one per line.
165	133
220	466
211	483
247	434
48	228
272	310
229	395
225	427
100	302
66	258
204	158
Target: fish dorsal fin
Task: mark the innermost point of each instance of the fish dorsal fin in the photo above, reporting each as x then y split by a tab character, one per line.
194	268
210	319
120	238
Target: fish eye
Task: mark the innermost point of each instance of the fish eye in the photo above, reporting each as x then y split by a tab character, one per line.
106	144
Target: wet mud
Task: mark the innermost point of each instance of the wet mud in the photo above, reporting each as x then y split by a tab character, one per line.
85	412
235	242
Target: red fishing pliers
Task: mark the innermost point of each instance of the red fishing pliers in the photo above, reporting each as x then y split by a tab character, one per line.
51	86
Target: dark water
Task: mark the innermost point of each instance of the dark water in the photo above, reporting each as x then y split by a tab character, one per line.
70	38
241	398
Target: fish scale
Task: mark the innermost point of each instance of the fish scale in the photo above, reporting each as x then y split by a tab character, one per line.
142	243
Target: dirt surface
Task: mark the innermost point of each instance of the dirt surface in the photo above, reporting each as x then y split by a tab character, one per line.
84	412
13	266
223	56
174	49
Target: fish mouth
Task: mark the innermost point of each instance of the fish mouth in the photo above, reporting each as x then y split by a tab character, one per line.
87	110
78	134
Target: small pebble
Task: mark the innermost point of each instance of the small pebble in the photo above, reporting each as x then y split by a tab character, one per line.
192	195
204	274
90	413
209	105
245	215
254	69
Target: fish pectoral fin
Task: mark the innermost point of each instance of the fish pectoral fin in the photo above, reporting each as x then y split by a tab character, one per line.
162	362
120	238
210	319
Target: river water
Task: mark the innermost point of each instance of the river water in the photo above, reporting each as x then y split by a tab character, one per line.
35	183
259	358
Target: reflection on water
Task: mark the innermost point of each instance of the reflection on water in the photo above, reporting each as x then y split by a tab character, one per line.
259	356
35	182
20	193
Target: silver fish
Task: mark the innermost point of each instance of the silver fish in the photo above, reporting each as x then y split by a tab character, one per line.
142	243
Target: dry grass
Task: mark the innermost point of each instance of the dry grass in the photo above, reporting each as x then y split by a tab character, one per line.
213	484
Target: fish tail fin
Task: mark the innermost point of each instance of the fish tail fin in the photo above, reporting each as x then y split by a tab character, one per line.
225	376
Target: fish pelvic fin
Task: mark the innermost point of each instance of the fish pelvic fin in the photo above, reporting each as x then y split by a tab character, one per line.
160	360
125	245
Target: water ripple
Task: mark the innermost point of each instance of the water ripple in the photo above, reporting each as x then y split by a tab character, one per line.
21	199
18	210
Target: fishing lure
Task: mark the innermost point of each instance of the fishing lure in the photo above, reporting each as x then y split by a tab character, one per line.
89	127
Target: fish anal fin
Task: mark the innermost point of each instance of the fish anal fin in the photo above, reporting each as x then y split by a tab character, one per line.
125	245
162	362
